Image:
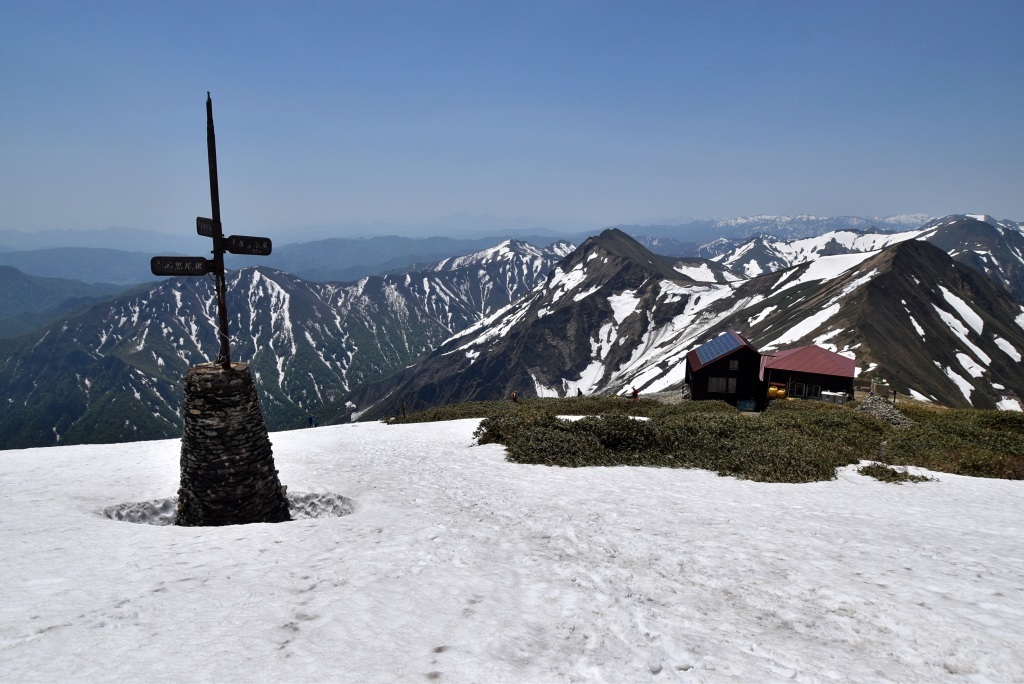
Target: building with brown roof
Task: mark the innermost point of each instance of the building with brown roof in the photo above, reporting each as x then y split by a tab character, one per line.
731	369
806	372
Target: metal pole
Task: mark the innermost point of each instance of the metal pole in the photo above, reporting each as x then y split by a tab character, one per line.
218	239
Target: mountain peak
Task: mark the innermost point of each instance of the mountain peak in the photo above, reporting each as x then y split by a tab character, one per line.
617	243
966	220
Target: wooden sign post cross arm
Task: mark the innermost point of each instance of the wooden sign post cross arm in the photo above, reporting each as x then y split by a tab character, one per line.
236	244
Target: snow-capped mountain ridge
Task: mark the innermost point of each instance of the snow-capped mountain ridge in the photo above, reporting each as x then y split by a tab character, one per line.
605	321
308	344
999	224
765	255
602	318
508	250
995	247
780	227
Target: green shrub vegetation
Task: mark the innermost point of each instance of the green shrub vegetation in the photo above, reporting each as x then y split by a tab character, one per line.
962	442
889	474
793	441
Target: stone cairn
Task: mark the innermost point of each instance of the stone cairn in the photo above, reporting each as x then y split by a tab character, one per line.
880	407
227	465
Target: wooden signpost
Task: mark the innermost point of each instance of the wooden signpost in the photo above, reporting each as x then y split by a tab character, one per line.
211	228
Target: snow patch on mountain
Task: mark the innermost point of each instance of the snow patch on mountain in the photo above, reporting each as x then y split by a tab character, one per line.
623	305
855	284
702	273
491	329
585	293
561	282
541	389
968	314
803	328
825	268
823	339
917	395
808	249
600	346
752	269
962	383
1010	350
1009	404
970	365
762	314
960	330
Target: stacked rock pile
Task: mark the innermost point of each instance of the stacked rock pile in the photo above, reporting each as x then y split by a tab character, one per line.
227	465
880	407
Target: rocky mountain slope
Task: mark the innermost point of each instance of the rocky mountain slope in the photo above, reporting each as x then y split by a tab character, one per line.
113	373
909	313
612	315
560	339
598	319
991	246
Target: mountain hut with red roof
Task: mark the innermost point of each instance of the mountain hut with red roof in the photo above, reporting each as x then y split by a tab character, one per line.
809	373
731	369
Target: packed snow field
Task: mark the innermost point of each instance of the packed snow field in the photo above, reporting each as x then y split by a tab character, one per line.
455	565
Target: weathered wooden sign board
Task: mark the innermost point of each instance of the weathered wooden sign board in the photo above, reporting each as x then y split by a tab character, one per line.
180	266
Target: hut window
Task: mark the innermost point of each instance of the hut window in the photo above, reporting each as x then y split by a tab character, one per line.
722	385
734	364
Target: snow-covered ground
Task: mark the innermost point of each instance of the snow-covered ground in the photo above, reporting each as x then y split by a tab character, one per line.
458	566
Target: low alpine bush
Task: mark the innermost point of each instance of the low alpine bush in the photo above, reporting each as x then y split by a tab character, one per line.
793	441
886	473
963	442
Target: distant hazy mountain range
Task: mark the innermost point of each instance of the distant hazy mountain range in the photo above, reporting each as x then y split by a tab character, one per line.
29	302
121	255
700	237
929	310
129	239
338	259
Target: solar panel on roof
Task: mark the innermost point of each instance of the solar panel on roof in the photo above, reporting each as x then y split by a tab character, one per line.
718	347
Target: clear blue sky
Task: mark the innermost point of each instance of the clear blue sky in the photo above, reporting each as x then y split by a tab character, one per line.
552	113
